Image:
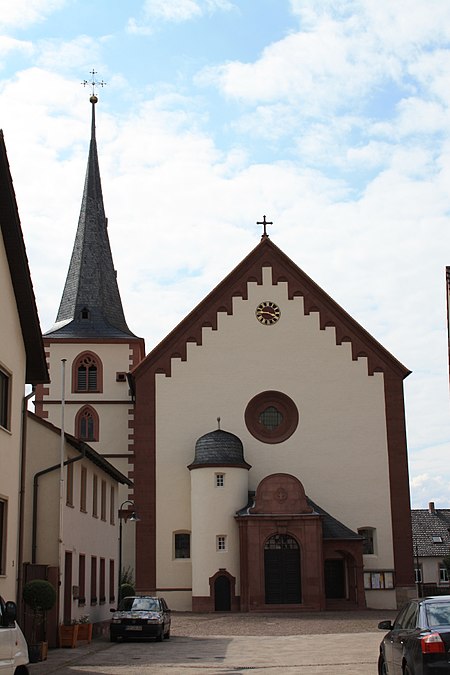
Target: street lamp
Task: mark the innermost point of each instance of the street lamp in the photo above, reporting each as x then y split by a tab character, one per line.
134	518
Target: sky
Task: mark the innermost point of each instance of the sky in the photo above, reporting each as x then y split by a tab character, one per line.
330	117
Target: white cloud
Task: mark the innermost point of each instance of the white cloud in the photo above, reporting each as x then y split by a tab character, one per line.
63	56
22	13
174	10
9	44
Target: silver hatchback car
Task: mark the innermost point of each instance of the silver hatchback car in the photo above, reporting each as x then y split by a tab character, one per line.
140	616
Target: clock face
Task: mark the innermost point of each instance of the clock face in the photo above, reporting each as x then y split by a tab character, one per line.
267	313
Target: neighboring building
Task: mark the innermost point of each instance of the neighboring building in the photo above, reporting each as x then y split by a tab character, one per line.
264	512
22	361
93	338
75	530
431	539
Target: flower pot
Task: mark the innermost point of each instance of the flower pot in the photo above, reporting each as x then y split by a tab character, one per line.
84	632
38	652
68	635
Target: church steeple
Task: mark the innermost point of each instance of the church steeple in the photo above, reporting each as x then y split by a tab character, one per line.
91	304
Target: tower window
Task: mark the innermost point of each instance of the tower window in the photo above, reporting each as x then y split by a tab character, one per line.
87	373
86	424
221	542
220	479
85	313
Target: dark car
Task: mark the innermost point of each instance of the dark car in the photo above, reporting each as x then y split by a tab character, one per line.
139	617
418	641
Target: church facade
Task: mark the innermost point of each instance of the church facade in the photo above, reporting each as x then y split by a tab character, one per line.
300	500
265	435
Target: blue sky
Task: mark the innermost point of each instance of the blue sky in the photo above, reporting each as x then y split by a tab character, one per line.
332	118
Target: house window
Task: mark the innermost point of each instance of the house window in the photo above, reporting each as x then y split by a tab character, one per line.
81	580
112	505
93	580
418	575
182	545
69	486
5	390
220	479
368	535
83	485
103	501
87	373
87	424
95	496
102	581
3	512
112	585
221	542
443	575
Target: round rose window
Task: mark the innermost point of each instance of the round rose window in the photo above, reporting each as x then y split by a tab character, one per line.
271	417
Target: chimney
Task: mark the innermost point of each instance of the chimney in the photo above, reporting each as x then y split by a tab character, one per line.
431	508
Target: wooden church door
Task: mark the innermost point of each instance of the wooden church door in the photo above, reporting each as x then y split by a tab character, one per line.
282	575
222	594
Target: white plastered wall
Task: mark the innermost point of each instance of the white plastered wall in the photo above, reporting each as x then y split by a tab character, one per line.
339	450
13	362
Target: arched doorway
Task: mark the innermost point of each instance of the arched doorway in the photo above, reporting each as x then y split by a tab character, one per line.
222	594
335	579
282	572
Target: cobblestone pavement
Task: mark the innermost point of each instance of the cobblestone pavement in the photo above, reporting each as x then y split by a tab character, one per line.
340	643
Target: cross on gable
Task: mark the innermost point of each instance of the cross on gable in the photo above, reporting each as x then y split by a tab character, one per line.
264	222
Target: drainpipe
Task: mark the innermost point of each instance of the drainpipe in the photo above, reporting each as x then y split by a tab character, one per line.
35	498
21	519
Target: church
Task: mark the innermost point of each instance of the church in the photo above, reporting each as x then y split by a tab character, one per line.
265	435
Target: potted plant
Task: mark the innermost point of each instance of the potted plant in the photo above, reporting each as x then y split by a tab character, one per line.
78	629
40	596
84	628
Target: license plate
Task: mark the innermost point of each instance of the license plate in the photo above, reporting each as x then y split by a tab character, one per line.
133	627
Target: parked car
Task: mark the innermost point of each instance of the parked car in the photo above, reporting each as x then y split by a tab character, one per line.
140	616
13	646
418	642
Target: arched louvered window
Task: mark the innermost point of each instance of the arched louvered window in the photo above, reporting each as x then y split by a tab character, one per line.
86	424
87	373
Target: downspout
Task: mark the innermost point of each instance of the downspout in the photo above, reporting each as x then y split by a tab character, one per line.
35	498
23	459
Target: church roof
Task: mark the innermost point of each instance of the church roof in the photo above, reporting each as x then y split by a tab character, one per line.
91	306
219	448
267	254
331	527
36	367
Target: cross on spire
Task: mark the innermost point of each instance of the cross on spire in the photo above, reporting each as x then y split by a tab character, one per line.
264	222
93	83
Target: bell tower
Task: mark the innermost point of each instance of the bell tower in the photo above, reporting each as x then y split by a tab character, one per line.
92	339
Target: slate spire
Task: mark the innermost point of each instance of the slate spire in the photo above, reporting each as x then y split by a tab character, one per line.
91	304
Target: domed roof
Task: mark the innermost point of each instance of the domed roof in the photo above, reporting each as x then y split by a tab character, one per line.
219	448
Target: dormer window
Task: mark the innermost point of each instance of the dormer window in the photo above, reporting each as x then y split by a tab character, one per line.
87	373
85	313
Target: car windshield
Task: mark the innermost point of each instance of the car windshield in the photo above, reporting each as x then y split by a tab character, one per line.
143	604
438	614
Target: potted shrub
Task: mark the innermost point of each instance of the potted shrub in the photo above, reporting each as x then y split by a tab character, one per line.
40	596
